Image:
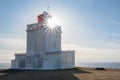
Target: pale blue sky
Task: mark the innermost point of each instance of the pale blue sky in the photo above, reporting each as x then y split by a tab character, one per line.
91	27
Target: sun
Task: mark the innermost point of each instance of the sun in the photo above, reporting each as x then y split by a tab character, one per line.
51	24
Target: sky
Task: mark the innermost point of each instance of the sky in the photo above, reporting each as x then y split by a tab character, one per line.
90	27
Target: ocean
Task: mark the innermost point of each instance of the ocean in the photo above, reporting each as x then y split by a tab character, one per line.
91	65
100	65
5	65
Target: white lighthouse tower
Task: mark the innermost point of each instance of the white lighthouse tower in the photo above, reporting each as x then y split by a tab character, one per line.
44	47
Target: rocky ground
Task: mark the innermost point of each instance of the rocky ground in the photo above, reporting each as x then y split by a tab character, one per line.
69	74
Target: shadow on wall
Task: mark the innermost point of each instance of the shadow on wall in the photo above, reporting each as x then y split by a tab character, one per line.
67	74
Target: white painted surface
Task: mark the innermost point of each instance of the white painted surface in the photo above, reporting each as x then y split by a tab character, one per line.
44	50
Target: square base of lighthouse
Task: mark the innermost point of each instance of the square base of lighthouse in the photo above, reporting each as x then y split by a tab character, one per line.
50	61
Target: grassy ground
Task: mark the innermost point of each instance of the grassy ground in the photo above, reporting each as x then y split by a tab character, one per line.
70	74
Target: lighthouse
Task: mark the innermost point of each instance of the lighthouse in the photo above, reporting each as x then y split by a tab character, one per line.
44	47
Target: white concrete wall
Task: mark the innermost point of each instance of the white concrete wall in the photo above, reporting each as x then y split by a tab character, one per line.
50	61
14	64
38	61
53	39
35	41
67	59
19	61
29	62
63	60
44	39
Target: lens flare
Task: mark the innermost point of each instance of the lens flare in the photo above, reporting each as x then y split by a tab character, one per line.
51	24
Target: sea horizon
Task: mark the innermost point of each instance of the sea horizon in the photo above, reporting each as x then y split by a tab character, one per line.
110	65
